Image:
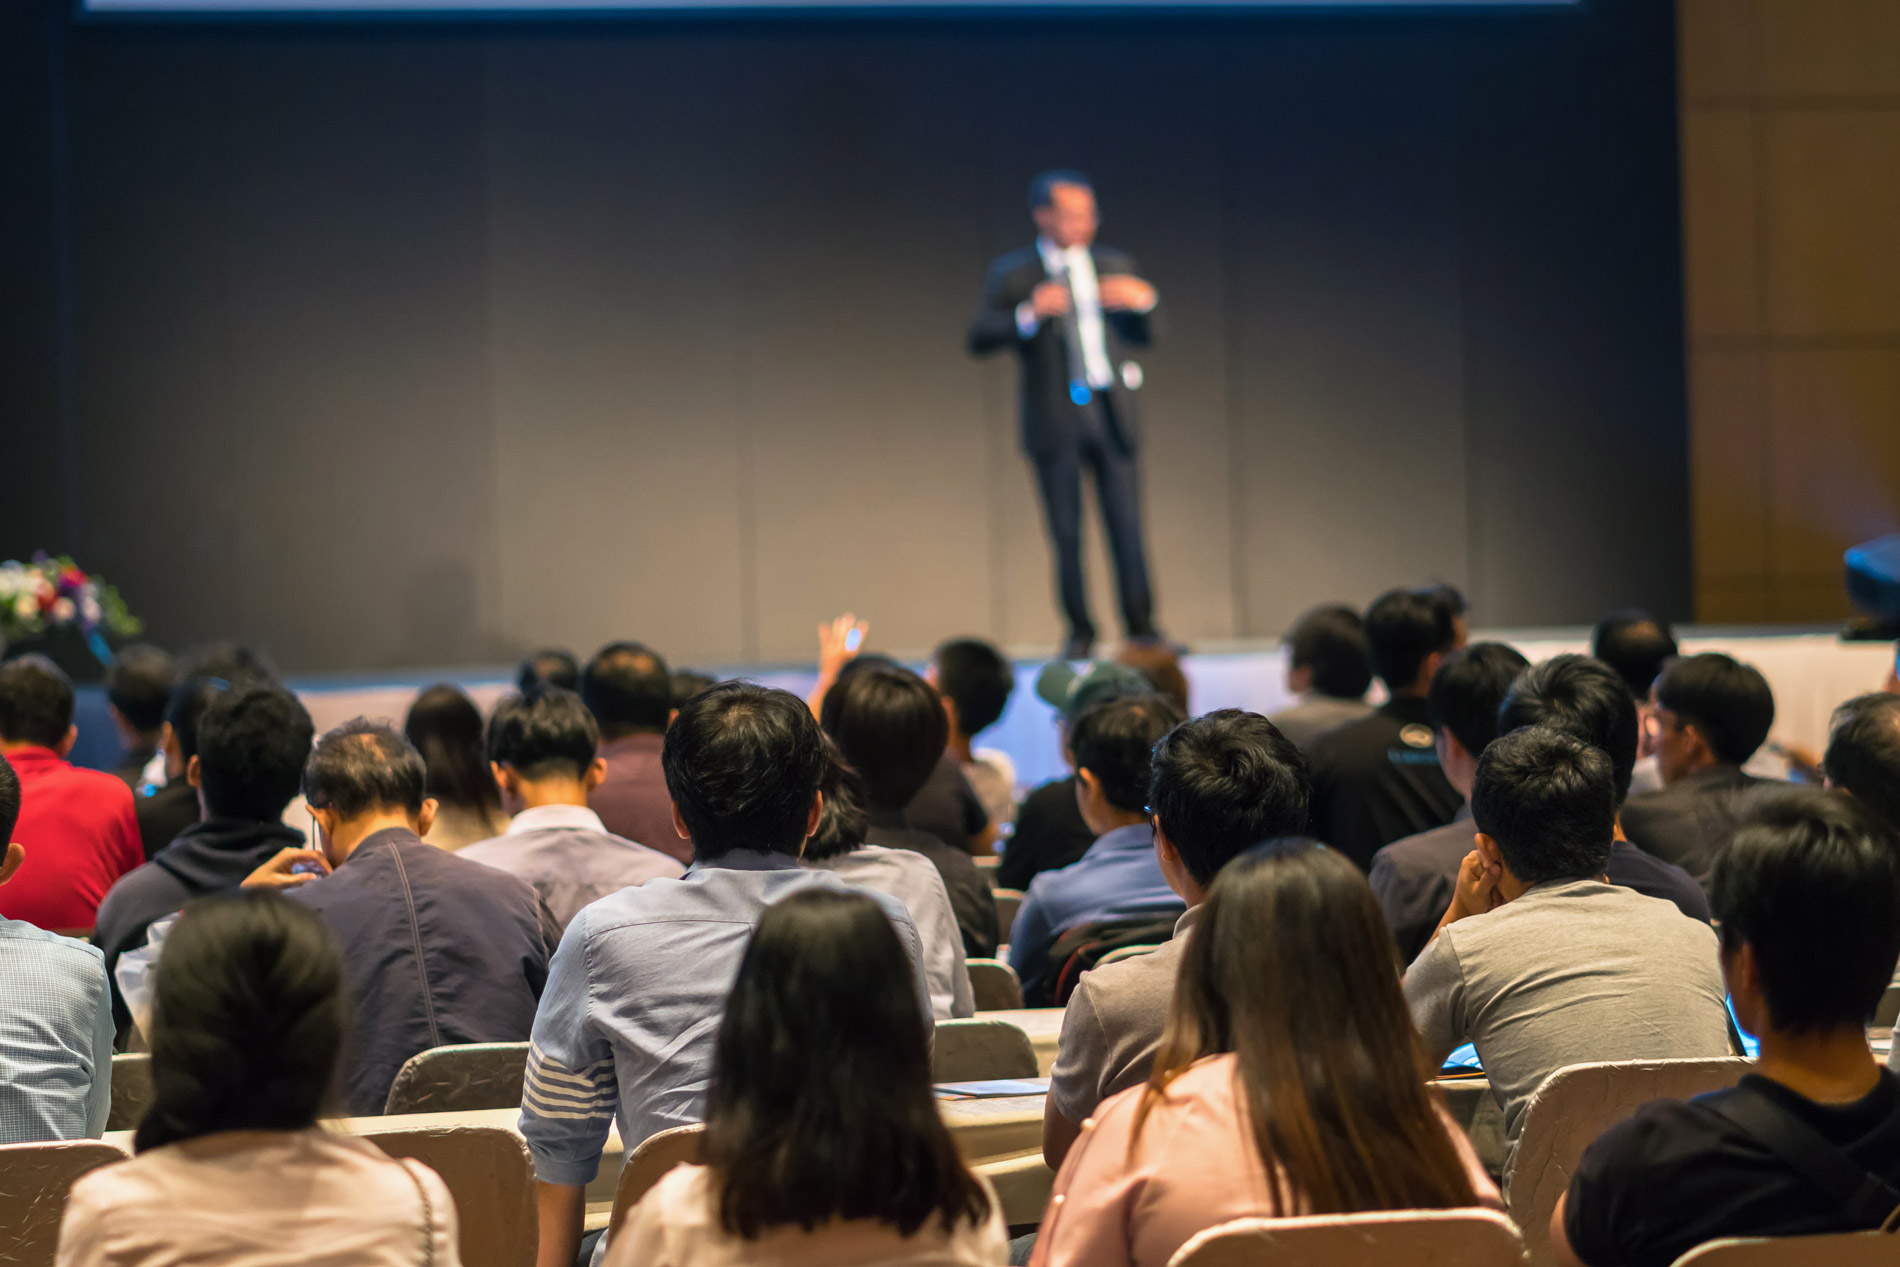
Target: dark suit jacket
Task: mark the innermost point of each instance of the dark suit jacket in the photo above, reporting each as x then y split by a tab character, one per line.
1691	821
1050	420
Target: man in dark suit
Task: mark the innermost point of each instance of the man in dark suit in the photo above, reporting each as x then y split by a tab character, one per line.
1071	310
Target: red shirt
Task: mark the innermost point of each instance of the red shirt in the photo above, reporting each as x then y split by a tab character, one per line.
80	835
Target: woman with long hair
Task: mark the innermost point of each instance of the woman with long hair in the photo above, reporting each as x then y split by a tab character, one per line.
247	1023
446	728
823	1141
1289	1080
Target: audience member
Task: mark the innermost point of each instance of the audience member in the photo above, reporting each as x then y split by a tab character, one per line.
172	806
976	682
1329	666
1279	1090
839	1157
78	826
139	683
55	1017
1863	754
1808	897
688	683
1708	715
1637	645
1413	878
1539	963
1219	785
1161	665
446	728
436	949
251	745
839	846
541	746
1050	831
1377	779
232	1166
630	693
1120	876
890	726
550	666
640	981
1451	600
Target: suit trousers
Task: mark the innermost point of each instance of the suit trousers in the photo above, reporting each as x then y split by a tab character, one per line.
1059	475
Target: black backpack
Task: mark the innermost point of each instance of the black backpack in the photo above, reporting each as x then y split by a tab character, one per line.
1082	947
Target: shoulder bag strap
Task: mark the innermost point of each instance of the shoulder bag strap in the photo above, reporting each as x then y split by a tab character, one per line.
1867	1198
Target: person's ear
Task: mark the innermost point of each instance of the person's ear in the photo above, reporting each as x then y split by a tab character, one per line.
1087	785
672	716
1429	669
950	712
817	813
594	775
194	773
325	824
167	738
1300	680
1446	745
1488	850
679	824
1704	750
65	745
16	854
425	817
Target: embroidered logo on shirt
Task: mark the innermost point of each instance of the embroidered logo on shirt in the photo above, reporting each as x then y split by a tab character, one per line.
1416	736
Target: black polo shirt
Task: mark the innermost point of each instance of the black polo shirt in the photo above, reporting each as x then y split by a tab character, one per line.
1049	833
1377	780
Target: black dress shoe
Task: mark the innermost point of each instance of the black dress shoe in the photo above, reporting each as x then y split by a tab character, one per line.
1079	646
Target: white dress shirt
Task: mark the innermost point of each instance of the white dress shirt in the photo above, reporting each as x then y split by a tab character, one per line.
1079	265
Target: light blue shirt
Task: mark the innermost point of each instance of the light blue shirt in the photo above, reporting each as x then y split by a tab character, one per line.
55	1037
1119	877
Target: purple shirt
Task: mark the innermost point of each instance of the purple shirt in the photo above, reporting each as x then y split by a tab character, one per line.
632	800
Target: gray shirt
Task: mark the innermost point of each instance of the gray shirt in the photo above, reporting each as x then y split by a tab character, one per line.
1569	973
1316	714
1112	1026
912	879
570	858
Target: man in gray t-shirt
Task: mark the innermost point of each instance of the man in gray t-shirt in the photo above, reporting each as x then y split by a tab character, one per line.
1539	962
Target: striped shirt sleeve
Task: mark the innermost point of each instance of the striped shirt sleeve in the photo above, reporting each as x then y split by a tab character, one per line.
569	1094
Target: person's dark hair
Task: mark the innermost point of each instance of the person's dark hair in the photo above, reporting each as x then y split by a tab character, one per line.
1728	701
690	682
842	823
1161	665
253	741
248	1016
1042	188
550	666
743	763
1331	641
1331	1068
1467	689
362	766
187	705
1115	742
977	678
1223	783
9	803
232	663
446	728
1635	644
543	732
1812	884
1549	801
1448	597
36	701
1404	628
1863	753
139	683
890	726
1585	699
629	690
849	1129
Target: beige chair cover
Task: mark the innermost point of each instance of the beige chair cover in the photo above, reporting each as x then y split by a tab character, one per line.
34	1181
980	1049
459	1078
1846	1249
488	1172
996	986
1398	1238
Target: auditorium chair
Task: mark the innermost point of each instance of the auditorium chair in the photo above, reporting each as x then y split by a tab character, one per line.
1574	1106
648	1164
995	985
131	1090
1842	1249
489	1174
1022	1182
34	1181
1397	1238
459	1078
981	1049
1007	900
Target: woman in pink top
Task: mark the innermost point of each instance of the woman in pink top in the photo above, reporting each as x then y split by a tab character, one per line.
1289	1080
247	1021
823	1141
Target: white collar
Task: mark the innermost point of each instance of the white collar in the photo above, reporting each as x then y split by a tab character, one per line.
1055	257
546	817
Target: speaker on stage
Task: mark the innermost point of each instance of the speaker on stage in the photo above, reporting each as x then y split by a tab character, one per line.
1873	583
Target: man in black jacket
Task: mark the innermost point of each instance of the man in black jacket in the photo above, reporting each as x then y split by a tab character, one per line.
1070	310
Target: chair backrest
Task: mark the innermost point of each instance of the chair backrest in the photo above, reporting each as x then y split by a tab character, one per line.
34	1181
980	1049
1397	1238
648	1164
996	986
131	1090
1007	900
1574	1106
488	1172
1887	1012
1842	1249
459	1078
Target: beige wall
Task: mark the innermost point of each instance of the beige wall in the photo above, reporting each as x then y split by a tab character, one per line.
1791	221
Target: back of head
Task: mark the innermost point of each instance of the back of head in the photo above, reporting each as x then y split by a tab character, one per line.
1728	701
139	683
1404	628
1812	884
550	666
690	682
843	822
1863	753
974	675
1316	1051
364	767
890	726
743	763
247	1020
9	803
1549	801
446	728
1451	601
252	742
231	663
628	689
1331	641
544	732
1585	699
1223	783
186	707
1115	742
849	1129
1468	688
1636	645
1161	665
36	702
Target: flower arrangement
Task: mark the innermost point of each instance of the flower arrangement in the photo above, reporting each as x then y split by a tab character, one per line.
53	593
